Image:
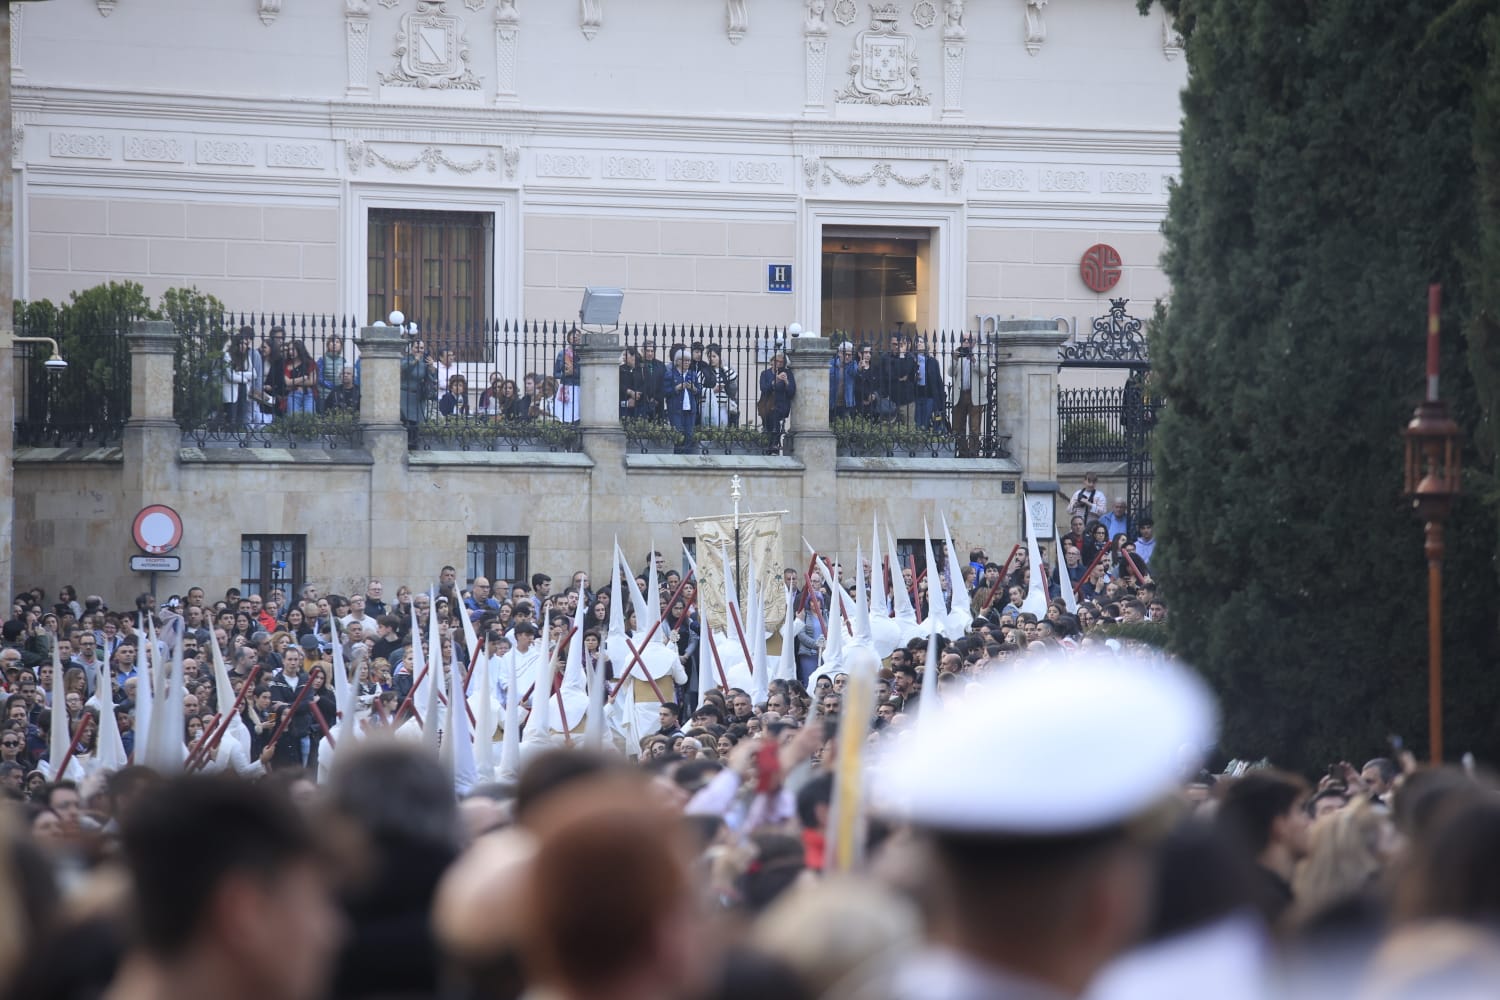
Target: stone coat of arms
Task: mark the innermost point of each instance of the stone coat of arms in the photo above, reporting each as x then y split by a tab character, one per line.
883	67
434	51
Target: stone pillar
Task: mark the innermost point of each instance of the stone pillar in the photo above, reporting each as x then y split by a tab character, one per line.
1026	391
380	351
813	443
151	438
7	349
603	437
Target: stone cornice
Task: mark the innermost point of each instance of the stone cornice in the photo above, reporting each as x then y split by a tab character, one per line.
337	118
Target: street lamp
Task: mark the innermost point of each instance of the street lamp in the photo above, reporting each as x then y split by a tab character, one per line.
1433	467
55	365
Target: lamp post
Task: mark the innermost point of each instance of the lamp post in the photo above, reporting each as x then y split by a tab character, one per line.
1432	481
55	364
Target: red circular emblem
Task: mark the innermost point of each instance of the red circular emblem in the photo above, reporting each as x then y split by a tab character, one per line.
157	529
1100	267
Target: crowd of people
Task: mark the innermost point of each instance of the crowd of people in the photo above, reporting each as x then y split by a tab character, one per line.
692	385
1026	816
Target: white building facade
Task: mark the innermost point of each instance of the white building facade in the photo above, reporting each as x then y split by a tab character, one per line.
841	164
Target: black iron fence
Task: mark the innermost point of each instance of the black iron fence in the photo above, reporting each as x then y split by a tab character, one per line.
86	404
281	379
1090	425
914	394
267	380
277	380
493	386
728	366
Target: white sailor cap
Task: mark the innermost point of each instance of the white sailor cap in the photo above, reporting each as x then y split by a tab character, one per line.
1061	747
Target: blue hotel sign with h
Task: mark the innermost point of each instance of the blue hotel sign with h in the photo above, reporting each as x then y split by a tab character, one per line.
778	277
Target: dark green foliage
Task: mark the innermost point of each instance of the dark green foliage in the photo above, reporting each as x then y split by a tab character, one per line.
1327	176
88	329
91	324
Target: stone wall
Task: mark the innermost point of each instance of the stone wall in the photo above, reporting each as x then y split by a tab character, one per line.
400	515
710	271
280	257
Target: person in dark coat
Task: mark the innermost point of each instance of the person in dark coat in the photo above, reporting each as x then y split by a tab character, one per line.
777	386
931	399
295	744
401	803
898	378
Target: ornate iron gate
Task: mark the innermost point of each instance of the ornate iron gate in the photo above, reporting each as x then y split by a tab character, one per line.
1115	341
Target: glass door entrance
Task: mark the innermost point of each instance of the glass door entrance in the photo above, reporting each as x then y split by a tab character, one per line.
873	282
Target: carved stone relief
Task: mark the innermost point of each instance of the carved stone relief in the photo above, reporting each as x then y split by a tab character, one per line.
433	51
630	168
106	7
82	145
507	52
881	174
702	171
1053	179
953	19
591	17
883	64
302	155
1036	28
1171	40
737	19
154	149
815	44
564	165
357	50
756	172
17	74
226	152
1002	179
817	11
361	154
1125	182
269	10
954	46
924	14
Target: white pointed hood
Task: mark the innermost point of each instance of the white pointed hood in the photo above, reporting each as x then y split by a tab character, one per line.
960	603
1036	583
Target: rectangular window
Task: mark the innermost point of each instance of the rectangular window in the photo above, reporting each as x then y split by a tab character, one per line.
690	545
271	561
435	267
498	557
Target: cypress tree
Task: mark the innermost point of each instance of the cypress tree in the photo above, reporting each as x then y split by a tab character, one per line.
1327	176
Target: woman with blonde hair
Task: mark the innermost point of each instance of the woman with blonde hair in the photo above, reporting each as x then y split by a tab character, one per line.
1349	851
